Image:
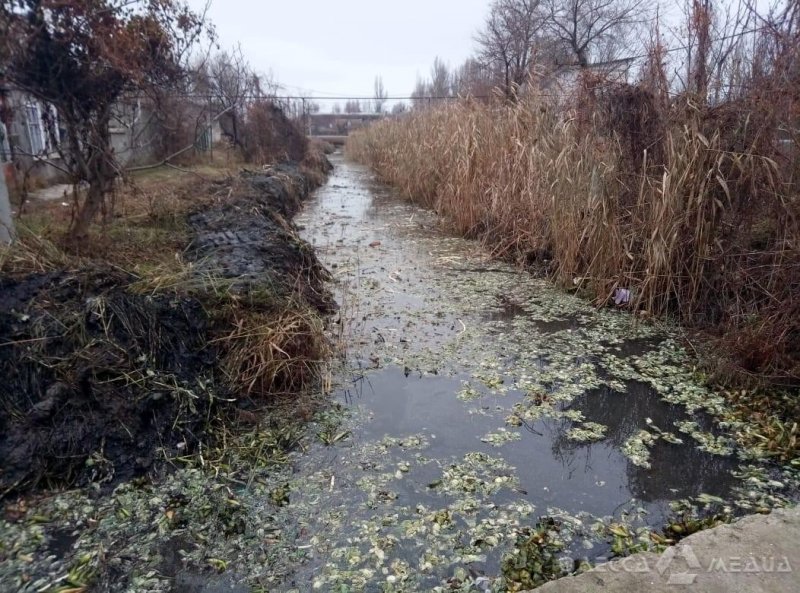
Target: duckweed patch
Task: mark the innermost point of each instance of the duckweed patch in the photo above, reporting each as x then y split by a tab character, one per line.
535	558
478	473
587	432
501	437
718	445
637	448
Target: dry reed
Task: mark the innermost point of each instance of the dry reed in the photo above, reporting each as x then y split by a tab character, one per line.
268	354
699	221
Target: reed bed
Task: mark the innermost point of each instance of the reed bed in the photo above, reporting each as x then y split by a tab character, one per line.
691	208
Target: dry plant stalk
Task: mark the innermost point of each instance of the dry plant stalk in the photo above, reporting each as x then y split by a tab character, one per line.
268	354
700	223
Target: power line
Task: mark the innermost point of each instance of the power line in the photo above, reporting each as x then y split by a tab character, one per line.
298	98
301	89
685	47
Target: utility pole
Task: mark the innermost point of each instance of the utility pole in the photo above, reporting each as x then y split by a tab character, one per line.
306	119
210	130
6	223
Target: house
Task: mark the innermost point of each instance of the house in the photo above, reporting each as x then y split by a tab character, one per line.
29	148
26	144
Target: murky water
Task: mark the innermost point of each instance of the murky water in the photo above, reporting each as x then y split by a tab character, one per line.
472	402
475	399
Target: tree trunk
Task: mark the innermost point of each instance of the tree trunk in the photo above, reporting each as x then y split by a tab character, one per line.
101	171
87	211
701	21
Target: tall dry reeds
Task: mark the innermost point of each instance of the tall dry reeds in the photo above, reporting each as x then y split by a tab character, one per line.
694	209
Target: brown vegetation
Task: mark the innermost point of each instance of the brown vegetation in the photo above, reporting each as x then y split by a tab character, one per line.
133	350
269	136
277	353
694	207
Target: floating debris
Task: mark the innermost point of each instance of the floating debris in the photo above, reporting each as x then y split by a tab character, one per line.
501	437
587	432
478	473
636	448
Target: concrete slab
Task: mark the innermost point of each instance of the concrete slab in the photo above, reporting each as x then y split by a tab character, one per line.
757	554
61	191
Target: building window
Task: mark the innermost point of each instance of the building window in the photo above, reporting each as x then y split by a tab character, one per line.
43	138
33	120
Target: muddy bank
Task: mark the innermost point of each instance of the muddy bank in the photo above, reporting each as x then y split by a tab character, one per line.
95	377
250	240
105	378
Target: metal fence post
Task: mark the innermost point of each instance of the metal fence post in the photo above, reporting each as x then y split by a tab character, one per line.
6	222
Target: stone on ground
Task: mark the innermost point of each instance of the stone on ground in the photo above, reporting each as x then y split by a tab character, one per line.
758	554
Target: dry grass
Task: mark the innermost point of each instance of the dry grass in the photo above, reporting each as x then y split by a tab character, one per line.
268	354
33	253
703	226
144	228
270	344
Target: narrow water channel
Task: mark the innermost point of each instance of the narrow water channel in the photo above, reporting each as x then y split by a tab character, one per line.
474	399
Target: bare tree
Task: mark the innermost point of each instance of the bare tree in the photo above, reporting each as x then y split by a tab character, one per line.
336	108
231	82
440	84
592	29
473	78
380	94
352	106
420	96
715	47
653	74
80	57
507	43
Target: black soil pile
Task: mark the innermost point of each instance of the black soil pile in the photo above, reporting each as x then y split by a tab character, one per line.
101	382
96	378
249	237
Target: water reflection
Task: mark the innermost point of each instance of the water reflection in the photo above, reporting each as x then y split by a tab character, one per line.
677	470
551	468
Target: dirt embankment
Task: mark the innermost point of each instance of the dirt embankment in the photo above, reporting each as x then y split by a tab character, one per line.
250	240
106	373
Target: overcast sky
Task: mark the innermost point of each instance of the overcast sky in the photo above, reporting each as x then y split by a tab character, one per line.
337	47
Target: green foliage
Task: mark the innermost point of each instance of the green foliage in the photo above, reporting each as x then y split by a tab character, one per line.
534	560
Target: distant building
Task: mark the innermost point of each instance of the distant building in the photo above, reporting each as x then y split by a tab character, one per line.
340	124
